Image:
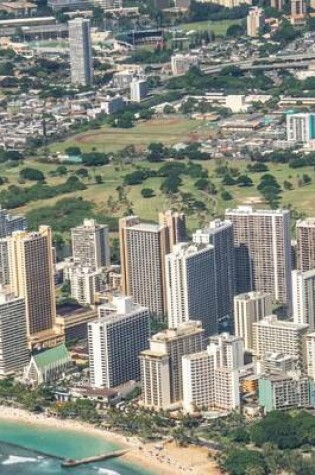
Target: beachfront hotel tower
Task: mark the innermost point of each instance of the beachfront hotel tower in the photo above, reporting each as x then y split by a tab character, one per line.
32	277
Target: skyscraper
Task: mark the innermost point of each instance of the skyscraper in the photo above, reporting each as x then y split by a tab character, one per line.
305	244
142	253
90	245
115	340
303	295
262	251
164	359
190	286
255	22
249	308
14	354
176	224
81	61
220	235
32	277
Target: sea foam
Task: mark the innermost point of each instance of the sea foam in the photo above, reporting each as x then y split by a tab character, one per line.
13	459
106	471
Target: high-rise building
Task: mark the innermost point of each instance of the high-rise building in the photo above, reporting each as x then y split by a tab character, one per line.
229	350
310	355
298	7
305	244
142	253
90	245
190	286
85	284
167	348
138	90
181	63
255	22
4	262
300	127
277	4
210	377
176	225
14	354
32	277
249	308
81	60
262	251
10	223
303	295
271	335
155	378
220	235
115	340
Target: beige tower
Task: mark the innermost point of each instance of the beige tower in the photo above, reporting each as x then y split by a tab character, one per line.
142	252
32	277
249	308
176	224
305	244
262	251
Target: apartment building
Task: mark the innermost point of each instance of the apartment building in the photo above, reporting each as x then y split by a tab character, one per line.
14	353
281	392
115	340
138	90
249	308
229	350
300	127
305	244
90	245
85	283
181	63
171	345
142	253
190	286
303	293
32	277
81	59
262	252
271	335
219	234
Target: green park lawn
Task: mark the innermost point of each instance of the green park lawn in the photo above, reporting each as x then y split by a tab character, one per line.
301	198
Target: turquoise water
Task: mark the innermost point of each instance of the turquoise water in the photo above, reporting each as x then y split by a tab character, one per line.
22	447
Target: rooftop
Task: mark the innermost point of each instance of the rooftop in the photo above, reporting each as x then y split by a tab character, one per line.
249	210
189	328
51	356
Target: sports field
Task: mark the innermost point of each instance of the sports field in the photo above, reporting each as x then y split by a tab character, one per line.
218	27
109	139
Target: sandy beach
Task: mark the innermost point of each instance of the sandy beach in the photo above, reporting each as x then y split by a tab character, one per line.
171	460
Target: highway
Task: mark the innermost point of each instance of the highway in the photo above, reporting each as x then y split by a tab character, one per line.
267	63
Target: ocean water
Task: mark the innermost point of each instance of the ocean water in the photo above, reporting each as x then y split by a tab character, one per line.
35	450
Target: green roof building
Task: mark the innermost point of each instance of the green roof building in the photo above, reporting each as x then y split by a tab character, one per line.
48	365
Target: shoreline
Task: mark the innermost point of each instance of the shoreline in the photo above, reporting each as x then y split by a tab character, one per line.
171	460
